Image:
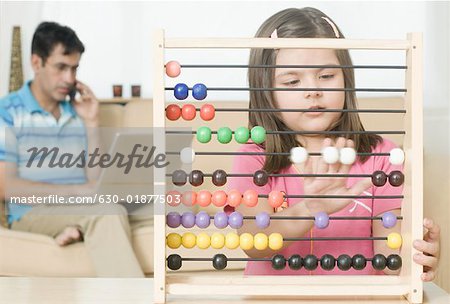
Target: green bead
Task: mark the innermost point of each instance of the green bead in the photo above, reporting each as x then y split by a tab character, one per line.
224	135
204	135
241	135
258	134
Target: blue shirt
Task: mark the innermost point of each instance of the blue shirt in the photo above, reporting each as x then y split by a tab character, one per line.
25	125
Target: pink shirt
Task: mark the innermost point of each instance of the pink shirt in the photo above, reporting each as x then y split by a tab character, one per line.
337	228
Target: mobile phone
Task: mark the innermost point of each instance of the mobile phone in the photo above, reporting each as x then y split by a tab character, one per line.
73	92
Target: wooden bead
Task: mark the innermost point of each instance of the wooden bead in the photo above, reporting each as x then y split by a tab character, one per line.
379	262
219	177
196	178
379	178
327	262
174	262
295	262
220	261
179	177
394	262
260	178
359	262
344	262
396	178
278	262
310	262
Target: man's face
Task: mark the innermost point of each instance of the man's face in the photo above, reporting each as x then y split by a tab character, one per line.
57	74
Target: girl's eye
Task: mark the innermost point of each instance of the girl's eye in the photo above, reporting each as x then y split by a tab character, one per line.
292	82
326	76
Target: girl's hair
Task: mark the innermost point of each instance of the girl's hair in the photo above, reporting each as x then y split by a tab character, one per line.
298	23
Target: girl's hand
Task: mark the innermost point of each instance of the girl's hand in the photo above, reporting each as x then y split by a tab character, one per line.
330	185
430	247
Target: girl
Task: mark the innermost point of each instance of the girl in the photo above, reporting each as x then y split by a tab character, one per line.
312	23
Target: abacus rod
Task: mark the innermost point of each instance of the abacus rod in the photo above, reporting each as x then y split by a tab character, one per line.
283	66
304	132
312	217
311	110
273	153
301	89
289	175
338	196
371	238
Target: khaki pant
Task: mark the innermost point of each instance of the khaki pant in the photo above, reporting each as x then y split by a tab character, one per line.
106	230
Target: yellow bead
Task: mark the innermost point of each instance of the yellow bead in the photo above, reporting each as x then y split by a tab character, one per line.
275	241
394	240
217	240
188	240
232	240
260	241
203	240
173	240
246	241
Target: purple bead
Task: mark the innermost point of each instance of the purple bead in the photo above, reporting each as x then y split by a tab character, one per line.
235	220
262	220
321	220
202	219
173	219
188	220
389	219
221	220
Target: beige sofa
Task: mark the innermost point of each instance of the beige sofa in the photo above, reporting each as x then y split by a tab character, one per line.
26	254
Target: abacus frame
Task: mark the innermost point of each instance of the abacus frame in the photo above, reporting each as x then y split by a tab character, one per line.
407	283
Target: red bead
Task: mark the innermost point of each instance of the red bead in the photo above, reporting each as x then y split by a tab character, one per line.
276	199
250	198
173	112
234	198
173	198
203	198
228	209
173	69
188	112
219	198
189	198
207	112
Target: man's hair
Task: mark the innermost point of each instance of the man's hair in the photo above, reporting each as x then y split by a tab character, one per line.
49	34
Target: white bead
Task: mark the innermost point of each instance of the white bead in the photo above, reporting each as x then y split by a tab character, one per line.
187	155
347	156
330	155
397	156
298	155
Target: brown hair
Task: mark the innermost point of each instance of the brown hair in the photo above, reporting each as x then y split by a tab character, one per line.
298	23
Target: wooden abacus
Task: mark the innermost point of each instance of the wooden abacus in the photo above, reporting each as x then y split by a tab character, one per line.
407	283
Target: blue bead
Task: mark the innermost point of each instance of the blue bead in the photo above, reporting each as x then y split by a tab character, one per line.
199	91
321	220
202	219
235	220
389	220
221	220
181	91
262	220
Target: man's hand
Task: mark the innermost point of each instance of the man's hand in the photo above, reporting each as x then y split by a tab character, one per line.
87	107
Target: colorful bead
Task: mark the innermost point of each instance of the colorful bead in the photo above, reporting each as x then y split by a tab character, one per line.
219	198
188	240
278	262
203	240
199	91
221	220
275	199
344	262
394	240
203	198
234	198
173	69
396	156
188	112
187	155
246	241
260	241
188	219
231	240
196	178
181	91
204	135
379	178
347	156
173	112
327	262
241	135
220	261
189	198
389	219
262	220
174	262
260	178
173	198
330	155
275	241
235	220
250	198
217	240
173	240
396	178
202	220
173	219
379	262
219	177
298	155
207	112
321	220
310	262
394	262
179	177
258	134
224	135
295	262
359	262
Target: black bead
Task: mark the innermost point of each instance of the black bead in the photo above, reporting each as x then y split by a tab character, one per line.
379	178
359	262
379	262
278	262
260	178
174	262
327	262
394	262
196	178
344	262
396	178
295	262
179	177
310	262
219	177
220	261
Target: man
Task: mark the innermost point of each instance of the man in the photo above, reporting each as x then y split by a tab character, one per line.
40	108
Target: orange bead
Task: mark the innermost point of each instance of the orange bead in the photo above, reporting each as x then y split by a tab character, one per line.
219	198
234	198
203	198
173	198
173	112
189	198
250	198
207	112
188	112
173	69
276	199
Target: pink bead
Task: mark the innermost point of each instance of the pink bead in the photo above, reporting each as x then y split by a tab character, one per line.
276	199
203	198
173	69
250	198
189	198
219	198
173	198
234	198
188	112
207	112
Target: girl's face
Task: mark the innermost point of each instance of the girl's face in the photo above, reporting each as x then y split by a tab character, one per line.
308	78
